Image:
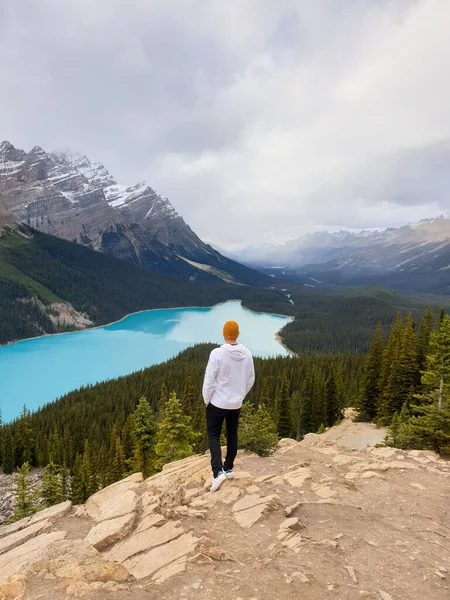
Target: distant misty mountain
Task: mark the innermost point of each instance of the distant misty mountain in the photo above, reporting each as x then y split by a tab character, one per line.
70	197
415	257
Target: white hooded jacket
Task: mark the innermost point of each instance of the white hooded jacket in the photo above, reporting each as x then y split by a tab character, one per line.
229	376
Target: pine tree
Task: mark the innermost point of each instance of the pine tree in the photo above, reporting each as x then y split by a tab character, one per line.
261	435
52	487
245	419
144	437
24	438
199	426
390	372
430	427
264	394
78	483
409	371
127	438
54	450
285	428
8	453
437	373
371	383
423	340
188	397
118	462
332	398
175	434
65	481
25	497
92	458
307	402
103	467
319	407
441	315
83	483
163	397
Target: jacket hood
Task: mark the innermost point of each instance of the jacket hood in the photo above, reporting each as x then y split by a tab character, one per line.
237	352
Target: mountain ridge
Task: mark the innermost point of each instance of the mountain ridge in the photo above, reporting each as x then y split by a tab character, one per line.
69	196
413	257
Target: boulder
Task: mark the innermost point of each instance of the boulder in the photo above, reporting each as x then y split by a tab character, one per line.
61	557
100	570
24	557
109	532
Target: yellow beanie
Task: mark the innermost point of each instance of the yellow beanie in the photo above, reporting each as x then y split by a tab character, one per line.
231	330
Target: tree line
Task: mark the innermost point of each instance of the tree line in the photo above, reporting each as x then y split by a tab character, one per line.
406	383
94	436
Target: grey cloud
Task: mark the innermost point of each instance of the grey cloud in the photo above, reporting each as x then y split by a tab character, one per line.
274	117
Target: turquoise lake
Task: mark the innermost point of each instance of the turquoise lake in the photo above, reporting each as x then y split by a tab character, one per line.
37	371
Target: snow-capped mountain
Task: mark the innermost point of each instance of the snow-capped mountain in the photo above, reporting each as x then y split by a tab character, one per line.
386	249
415	256
71	197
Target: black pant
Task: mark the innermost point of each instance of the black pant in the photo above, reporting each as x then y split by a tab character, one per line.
214	421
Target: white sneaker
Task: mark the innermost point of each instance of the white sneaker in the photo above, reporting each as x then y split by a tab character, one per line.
229	474
217	481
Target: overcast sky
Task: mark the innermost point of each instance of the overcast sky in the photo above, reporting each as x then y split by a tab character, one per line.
259	119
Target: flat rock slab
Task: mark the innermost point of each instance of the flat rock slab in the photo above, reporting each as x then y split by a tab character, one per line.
298	477
151	562
109	504
22	536
225	494
116	500
401	464
109	532
325	492
145	540
177	566
54	512
27	554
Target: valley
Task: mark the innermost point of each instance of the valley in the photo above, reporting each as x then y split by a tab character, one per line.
412	258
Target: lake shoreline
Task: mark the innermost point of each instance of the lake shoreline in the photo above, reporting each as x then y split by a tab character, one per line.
46	335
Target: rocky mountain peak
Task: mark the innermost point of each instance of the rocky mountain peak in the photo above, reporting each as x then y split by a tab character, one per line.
68	195
8	153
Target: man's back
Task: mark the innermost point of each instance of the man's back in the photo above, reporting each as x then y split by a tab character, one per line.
229	376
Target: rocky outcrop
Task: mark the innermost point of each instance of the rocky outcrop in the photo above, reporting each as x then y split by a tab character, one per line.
7	219
315	520
73	198
7	495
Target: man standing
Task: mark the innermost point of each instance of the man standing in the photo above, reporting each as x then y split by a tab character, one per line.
229	377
